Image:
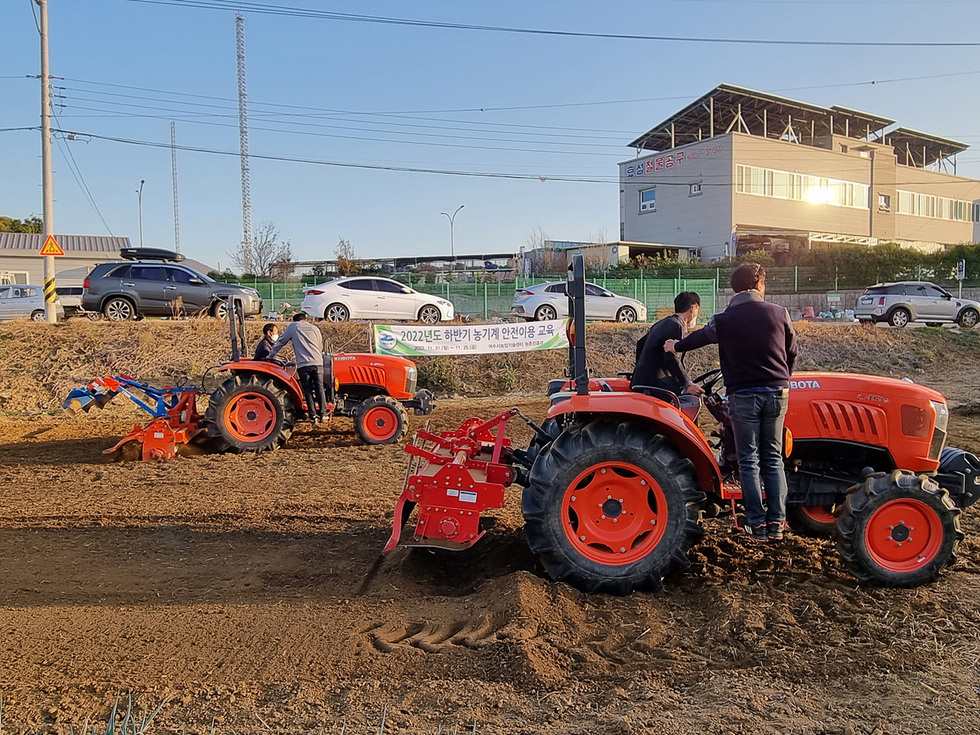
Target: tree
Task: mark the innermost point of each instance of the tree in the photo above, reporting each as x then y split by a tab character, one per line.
347	264
28	224
268	255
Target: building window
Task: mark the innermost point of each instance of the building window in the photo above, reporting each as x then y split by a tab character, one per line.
695	190
935	207
884	203
648	200
800	187
976	212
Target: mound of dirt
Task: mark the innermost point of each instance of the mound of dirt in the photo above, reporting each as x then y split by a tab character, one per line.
48	361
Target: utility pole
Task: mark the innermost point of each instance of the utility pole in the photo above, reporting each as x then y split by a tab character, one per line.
173	158
50	287
247	243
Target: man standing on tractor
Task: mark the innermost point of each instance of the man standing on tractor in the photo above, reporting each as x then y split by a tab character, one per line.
307	341
757	347
658	369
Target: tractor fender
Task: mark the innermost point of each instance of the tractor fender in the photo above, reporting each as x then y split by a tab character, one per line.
664	418
262	367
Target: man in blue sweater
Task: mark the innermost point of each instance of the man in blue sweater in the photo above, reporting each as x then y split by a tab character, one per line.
757	347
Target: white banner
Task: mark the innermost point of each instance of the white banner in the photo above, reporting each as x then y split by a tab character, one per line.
469	339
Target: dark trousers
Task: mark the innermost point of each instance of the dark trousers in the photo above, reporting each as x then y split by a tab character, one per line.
757	423
311	381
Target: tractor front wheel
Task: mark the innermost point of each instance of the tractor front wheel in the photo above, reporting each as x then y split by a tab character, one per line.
250	413
380	420
897	529
612	507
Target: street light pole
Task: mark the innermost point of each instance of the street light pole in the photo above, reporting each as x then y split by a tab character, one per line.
452	221
139	194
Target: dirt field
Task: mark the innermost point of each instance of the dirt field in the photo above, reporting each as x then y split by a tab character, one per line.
247	594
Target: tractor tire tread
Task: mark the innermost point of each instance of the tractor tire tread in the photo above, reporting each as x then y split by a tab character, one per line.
867	497
571	454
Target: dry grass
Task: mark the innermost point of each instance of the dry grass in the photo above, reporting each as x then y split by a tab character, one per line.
43	362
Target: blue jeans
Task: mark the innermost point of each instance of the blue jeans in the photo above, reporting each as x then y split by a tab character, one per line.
757	423
311	381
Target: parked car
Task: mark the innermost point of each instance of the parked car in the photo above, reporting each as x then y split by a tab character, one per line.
548	301
153	282
25	301
908	301
368	297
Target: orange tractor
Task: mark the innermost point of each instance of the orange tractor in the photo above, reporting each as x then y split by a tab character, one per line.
258	402
616	482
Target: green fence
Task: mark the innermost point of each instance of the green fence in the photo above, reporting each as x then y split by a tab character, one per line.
493	300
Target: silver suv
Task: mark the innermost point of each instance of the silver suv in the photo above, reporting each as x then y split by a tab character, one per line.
908	301
153	282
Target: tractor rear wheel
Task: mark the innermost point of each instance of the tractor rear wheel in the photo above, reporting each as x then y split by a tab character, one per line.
381	420
811	520
897	529
250	413
612	507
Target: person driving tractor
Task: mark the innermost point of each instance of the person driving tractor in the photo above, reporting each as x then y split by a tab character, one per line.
656	368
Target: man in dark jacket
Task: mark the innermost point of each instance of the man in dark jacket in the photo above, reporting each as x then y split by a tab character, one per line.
270	333
757	347
659	369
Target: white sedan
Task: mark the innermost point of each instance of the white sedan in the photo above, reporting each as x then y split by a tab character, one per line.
368	297
548	301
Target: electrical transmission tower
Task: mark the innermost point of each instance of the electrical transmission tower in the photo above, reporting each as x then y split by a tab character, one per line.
243	134
173	158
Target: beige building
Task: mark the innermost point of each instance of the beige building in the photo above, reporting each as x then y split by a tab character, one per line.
739	170
20	260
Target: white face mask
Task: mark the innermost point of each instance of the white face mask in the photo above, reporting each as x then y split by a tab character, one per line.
273	337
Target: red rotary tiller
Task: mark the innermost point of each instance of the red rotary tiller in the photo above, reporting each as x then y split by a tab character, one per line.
463	473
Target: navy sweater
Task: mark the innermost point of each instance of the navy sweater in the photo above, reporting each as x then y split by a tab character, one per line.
756	343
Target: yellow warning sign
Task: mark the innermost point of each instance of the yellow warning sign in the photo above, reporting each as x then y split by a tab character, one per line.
51	247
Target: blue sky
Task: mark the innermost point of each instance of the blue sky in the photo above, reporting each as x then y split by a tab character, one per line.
379	95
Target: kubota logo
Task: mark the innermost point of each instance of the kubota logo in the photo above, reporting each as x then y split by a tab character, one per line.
794	384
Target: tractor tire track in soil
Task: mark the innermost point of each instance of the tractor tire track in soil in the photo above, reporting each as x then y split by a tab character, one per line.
247	591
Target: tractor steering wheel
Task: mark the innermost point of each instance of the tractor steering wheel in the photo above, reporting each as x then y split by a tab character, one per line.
708	380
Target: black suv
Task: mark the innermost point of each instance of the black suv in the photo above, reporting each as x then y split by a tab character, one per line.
152	282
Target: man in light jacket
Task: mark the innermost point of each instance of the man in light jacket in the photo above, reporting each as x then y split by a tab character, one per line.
307	342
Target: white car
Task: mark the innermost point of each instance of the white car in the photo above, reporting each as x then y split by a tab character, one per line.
368	297
548	301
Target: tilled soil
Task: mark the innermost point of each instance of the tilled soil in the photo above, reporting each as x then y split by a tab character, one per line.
247	594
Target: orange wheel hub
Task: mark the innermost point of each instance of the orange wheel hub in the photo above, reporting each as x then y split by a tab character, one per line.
380	423
614	513
904	535
250	417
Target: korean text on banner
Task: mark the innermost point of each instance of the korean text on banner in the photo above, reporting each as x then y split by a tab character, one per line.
473	339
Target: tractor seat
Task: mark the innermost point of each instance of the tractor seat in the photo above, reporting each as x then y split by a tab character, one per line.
689	405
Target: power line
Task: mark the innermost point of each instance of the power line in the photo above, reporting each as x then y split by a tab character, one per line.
76	173
286	11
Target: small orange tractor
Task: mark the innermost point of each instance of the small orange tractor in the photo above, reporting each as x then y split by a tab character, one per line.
616	482
258	402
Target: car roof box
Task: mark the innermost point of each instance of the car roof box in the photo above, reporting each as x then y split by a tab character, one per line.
150	254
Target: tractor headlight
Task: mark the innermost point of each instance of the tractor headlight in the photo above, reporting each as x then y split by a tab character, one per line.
939	433
411	378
